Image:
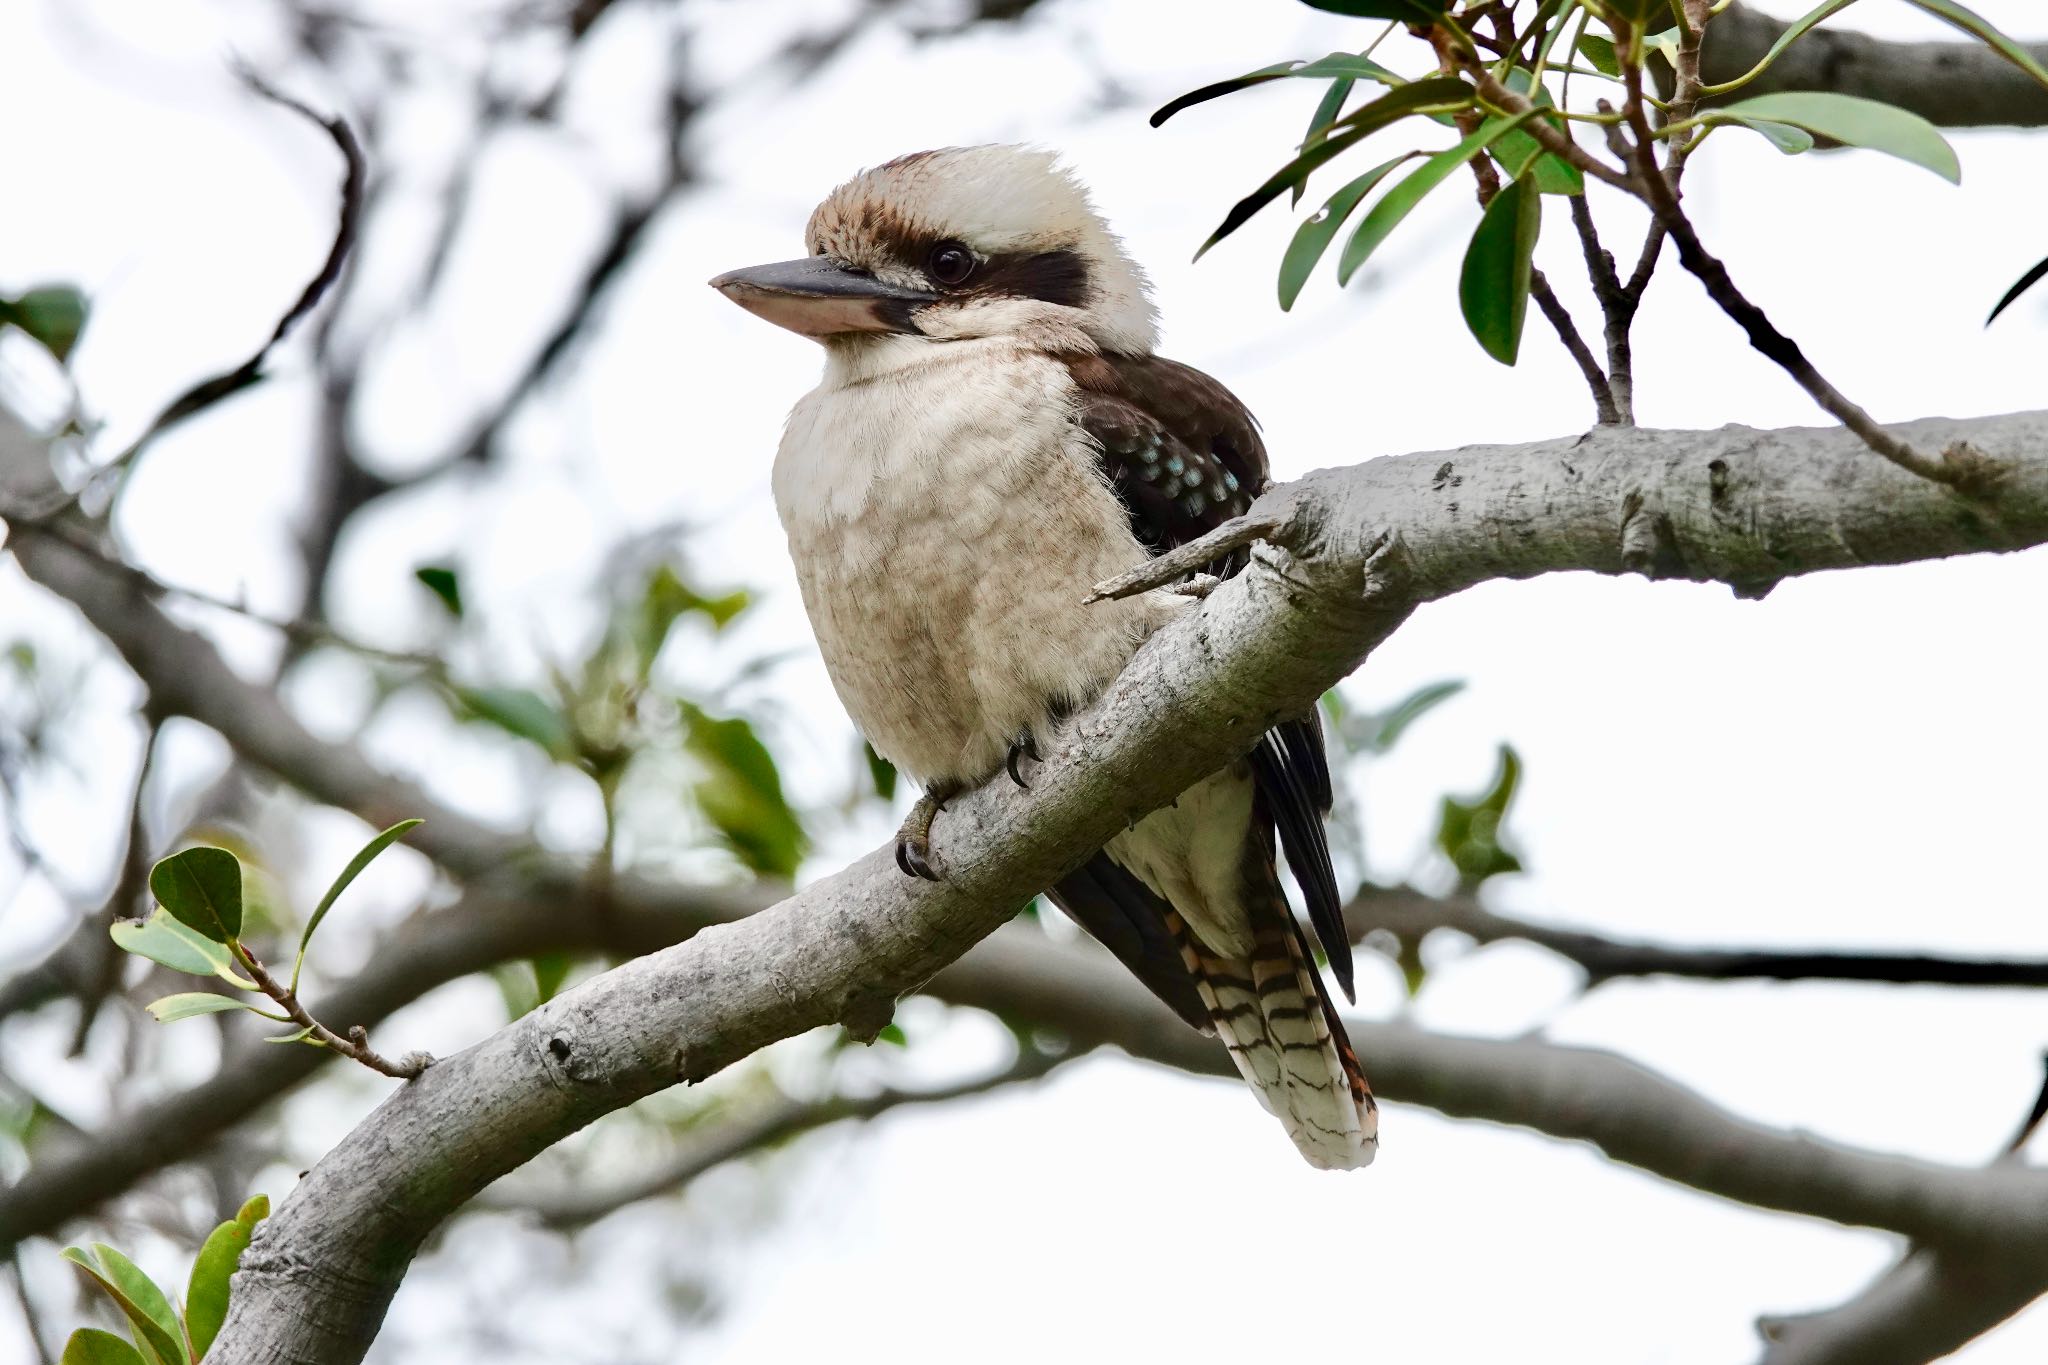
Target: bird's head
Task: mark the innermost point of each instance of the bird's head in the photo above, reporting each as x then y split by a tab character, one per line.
966	242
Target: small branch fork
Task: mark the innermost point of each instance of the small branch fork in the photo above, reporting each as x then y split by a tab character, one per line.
356	1045
1658	187
220	387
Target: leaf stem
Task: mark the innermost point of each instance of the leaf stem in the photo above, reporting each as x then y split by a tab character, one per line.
356	1045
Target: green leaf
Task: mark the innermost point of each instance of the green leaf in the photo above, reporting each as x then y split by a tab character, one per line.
881	772
666	600
1407	11
1469	832
741	792
1337	66
1327	110
303	1035
202	887
165	940
206	1295
520	712
893	1035
170	1009
91	1346
1400	201
1395	720
53	314
1319	229
364	857
147	1308
1794	31
2020	286
1218	89
1493	286
1985	32
550	970
1517	149
1853	120
1356	126
440	580
1600	52
1787	139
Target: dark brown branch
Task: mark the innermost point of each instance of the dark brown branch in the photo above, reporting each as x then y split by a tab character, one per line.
1956	467
1604	409
1410	914
1617	311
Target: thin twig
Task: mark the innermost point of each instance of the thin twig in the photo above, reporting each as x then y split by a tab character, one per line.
1617	310
1407	913
1958	467
2032	1122
1606	412
220	387
128	888
31	1321
573	1207
355	1045
297	629
1560	317
1182	560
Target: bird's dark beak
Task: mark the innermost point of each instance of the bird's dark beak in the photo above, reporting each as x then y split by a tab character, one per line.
819	297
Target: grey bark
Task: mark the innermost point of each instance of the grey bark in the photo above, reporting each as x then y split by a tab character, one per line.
1958	84
1357	549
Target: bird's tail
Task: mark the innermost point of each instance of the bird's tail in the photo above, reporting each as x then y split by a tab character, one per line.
1272	1012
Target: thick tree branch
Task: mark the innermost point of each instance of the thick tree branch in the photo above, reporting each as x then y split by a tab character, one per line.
1958	84
1359	549
1925	1307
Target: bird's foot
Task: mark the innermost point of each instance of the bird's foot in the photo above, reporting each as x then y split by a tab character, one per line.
1022	747
1197	586
914	840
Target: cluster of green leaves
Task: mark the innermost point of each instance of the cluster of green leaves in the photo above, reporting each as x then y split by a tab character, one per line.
611	712
53	314
198	923
162	1331
1496	273
1468	832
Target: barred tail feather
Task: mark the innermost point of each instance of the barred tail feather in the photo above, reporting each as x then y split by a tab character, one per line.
1283	1033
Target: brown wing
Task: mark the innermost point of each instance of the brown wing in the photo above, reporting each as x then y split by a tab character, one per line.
1184	455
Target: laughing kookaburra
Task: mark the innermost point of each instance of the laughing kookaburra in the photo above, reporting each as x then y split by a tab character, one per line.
992	437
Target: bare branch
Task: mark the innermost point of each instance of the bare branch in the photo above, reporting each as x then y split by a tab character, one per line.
1410	914
355	1045
739	1137
217	389
187	677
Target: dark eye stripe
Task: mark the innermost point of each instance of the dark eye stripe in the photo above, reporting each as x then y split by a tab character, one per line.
1059	277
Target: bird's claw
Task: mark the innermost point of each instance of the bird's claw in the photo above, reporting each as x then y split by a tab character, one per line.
1023	746
914	840
913	855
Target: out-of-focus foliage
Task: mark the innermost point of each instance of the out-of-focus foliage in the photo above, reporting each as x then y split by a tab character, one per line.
163	1333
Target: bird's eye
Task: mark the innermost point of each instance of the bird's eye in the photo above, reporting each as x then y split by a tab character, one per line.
949	263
